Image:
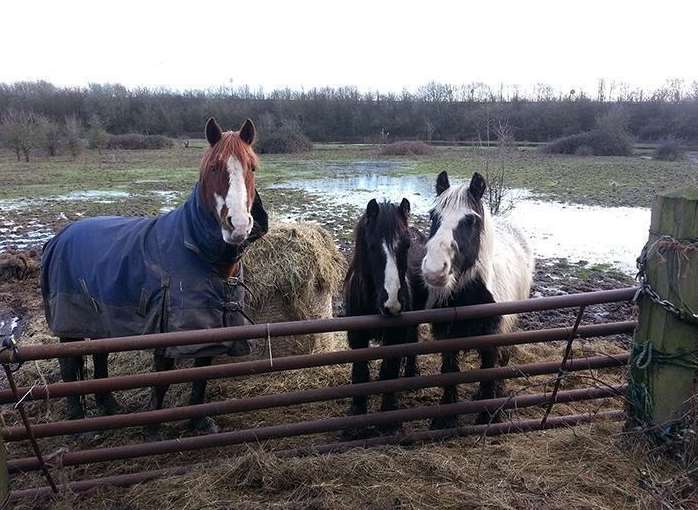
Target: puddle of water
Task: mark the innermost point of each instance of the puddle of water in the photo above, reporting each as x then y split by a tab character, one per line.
97	196
356	182
598	235
168	199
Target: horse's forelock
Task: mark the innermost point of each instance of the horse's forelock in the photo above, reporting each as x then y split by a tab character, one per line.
213	177
389	226
455	199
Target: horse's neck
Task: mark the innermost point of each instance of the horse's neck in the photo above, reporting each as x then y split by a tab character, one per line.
230	270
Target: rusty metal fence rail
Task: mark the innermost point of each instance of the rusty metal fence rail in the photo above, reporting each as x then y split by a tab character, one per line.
76	458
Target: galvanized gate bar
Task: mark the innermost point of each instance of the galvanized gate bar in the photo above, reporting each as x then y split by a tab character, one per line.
312	427
306	396
275	329
518	426
126	382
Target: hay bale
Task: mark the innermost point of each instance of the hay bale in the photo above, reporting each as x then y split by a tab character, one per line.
293	272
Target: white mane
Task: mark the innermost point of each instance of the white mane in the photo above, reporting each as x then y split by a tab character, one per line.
505	262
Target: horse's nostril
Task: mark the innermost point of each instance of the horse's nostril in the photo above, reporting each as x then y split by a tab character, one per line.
445	265
229	223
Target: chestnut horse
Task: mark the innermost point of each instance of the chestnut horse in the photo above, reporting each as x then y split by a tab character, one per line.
120	276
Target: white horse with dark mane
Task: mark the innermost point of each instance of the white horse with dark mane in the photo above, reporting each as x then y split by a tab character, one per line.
472	258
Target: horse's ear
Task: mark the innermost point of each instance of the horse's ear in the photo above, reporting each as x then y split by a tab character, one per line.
213	131
477	186
442	183
405	208
372	208
247	132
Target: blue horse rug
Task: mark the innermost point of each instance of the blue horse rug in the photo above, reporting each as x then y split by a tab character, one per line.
120	276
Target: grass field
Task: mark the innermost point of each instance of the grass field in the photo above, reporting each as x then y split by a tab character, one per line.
46	192
597	466
630	181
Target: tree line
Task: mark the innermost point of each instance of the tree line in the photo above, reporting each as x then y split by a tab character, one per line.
433	112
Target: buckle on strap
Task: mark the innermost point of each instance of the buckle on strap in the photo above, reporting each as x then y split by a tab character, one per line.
232	306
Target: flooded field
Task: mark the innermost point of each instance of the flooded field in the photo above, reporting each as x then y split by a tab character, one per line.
593	234
335	196
333	187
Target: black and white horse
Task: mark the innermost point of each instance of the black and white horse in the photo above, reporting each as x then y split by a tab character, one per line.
471	258
383	278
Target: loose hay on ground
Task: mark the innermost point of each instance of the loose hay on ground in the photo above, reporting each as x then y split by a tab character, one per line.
590	466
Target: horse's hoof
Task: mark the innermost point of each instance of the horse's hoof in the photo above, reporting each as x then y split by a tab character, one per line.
152	433
75	413
356	433
444	422
390	429
205	425
486	418
109	406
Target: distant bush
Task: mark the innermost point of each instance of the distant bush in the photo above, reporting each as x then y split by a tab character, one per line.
136	141
597	142
584	150
669	150
286	139
406	148
97	136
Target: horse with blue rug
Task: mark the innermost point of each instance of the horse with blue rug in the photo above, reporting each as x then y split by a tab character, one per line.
120	276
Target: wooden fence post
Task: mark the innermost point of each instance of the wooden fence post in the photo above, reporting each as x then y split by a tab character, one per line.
664	364
4	477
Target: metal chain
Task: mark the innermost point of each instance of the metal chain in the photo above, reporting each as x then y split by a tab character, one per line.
681	313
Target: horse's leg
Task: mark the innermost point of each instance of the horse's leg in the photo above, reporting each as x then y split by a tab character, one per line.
157	393
390	369
488	389
359	371
71	369
449	364
205	424
359	374
411	361
105	401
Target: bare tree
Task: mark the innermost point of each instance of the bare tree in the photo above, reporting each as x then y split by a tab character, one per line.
49	134
429	129
72	135
18	131
499	197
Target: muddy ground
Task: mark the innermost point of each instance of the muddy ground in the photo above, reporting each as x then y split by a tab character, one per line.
140	176
20	295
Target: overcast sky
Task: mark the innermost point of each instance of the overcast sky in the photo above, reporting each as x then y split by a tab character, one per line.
385	45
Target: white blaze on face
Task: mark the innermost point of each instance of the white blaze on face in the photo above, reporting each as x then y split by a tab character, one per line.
391	281
437	265
238	223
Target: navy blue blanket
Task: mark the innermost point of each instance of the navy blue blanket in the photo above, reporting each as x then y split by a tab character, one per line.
120	276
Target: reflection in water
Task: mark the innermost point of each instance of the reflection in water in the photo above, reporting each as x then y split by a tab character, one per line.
598	235
357	190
